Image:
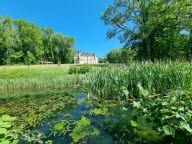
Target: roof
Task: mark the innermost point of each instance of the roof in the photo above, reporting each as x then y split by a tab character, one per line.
85	54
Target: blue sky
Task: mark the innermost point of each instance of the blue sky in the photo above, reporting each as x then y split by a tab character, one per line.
76	18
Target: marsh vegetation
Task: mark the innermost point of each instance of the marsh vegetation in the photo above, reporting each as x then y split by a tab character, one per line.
141	102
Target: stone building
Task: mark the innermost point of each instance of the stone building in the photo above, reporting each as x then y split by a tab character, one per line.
85	58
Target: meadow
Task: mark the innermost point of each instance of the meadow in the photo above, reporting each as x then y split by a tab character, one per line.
35	77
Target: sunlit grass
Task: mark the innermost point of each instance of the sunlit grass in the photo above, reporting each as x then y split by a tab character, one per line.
36	77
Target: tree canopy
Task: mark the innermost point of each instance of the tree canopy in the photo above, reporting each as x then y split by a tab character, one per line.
22	42
154	28
120	55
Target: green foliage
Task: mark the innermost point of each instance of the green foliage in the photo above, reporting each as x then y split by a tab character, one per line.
74	70
120	82
24	43
171	114
80	69
120	55
58	127
83	129
33	110
153	28
84	68
102	60
8	133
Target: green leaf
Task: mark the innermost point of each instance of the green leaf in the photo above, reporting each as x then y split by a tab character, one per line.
58	127
136	104
83	129
3	130
179	116
133	123
5	125
168	130
5	142
97	111
186	126
8	118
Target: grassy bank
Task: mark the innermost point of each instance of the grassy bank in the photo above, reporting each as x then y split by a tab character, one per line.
36	77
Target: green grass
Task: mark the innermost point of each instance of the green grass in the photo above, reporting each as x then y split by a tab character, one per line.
36	77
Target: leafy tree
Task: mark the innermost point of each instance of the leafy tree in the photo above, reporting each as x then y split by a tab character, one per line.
114	56
140	23
120	55
63	48
102	60
30	39
7	41
47	34
22	42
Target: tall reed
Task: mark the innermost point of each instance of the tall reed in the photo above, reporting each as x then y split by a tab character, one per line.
159	77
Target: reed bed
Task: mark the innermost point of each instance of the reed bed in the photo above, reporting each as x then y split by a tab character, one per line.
159	77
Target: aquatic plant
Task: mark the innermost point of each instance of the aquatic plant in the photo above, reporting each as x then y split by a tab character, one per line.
8	133
120	82
83	130
171	114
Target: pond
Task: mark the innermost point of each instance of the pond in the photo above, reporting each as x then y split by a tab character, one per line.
69	116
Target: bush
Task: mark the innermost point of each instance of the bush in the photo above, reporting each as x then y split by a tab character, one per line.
84	68
74	70
80	69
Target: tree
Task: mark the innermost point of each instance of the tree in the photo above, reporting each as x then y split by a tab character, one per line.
114	56
30	40
120	55
22	42
47	34
136	23
63	47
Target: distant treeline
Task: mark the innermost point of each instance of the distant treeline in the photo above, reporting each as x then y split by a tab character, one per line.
22	42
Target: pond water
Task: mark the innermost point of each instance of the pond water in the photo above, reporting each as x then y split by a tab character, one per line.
64	116
75	113
53	107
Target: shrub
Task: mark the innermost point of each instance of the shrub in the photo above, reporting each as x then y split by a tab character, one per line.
74	70
80	69
84	68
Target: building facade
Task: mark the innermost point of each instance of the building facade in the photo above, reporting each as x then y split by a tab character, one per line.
85	58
